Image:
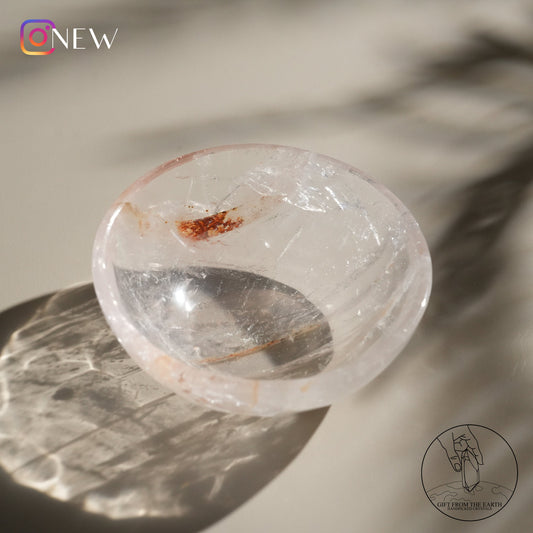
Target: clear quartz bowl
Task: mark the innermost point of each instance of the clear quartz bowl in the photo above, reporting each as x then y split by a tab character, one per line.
261	279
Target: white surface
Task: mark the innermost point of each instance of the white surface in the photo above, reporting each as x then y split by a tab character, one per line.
77	127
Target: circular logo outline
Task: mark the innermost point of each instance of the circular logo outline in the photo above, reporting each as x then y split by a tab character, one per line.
44	34
437	439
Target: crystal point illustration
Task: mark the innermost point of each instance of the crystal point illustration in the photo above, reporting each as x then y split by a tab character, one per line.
469	471
260	278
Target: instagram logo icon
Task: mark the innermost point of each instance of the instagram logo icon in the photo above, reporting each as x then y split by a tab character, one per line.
34	34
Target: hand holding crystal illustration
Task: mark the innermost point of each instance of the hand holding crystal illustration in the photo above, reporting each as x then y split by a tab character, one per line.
261	279
462	449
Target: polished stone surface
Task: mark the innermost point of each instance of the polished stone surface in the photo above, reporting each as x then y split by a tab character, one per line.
261	279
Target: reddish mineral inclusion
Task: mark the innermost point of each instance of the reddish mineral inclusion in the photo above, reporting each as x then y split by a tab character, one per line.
203	228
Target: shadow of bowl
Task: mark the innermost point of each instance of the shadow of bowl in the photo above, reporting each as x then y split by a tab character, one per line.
91	442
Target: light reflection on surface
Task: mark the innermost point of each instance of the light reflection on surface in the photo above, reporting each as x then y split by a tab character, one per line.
83	424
